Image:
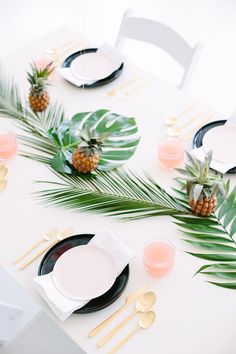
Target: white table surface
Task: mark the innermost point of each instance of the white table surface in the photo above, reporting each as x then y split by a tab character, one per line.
192	315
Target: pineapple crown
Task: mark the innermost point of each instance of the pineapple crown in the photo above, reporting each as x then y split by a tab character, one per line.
38	78
200	180
91	143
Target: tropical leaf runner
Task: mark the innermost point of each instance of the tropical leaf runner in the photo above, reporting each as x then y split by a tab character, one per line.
125	194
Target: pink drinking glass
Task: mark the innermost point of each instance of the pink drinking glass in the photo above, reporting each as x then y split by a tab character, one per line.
171	153
8	145
158	257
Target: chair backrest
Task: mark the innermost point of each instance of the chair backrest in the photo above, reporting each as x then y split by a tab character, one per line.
162	36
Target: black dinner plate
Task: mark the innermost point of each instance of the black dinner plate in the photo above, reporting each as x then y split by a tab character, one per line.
198	137
67	62
47	264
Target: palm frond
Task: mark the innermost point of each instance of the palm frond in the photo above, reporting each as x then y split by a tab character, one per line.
34	125
119	193
214	237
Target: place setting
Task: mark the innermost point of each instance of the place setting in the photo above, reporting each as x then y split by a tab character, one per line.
83	273
92	67
86	273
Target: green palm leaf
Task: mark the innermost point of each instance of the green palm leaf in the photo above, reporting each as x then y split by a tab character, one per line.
214	237
117	193
119	146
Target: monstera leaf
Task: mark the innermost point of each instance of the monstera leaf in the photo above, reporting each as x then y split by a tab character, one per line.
119	145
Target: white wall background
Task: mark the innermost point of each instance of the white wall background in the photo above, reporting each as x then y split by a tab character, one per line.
210	21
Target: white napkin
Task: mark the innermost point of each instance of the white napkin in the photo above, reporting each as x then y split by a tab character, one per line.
222	167
105	50
63	306
111	53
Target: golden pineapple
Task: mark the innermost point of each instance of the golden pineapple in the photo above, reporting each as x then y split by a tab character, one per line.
38	95
85	162
202	185
87	155
205	206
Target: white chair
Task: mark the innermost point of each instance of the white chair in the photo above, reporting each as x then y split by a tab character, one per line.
162	36
8	321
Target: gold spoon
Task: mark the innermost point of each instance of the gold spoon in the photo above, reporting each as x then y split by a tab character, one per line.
173	119
146	319
3	171
176	131
143	304
129	300
3	184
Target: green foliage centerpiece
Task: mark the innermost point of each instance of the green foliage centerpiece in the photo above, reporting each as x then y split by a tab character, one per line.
53	140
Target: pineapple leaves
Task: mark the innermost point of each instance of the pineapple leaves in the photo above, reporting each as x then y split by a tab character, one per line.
115	135
214	237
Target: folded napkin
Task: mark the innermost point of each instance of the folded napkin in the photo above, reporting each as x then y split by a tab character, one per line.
106	50
200	153
64	306
111	53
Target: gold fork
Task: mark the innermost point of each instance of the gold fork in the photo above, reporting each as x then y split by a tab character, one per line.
66	233
129	93
45	238
115	90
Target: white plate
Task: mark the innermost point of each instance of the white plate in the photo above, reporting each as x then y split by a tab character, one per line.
222	140
92	67
84	272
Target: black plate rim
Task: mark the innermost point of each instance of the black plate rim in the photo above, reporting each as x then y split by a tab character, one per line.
67	61
205	128
84	309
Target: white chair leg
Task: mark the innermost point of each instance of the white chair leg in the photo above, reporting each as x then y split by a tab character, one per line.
120	38
190	71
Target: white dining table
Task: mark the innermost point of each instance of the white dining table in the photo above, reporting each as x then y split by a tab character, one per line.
193	316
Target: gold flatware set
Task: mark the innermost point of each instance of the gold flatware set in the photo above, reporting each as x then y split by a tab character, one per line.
57	54
127	88
174	129
144	301
50	239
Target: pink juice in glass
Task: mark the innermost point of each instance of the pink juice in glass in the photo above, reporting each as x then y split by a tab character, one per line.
8	146
171	153
158	257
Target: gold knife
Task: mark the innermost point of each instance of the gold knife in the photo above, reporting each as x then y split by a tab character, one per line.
130	298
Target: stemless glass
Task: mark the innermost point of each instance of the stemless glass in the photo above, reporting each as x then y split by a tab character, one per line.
171	153
8	145
158	256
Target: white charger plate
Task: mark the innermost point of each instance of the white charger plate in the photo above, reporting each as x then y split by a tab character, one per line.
84	272
93	67
222	141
